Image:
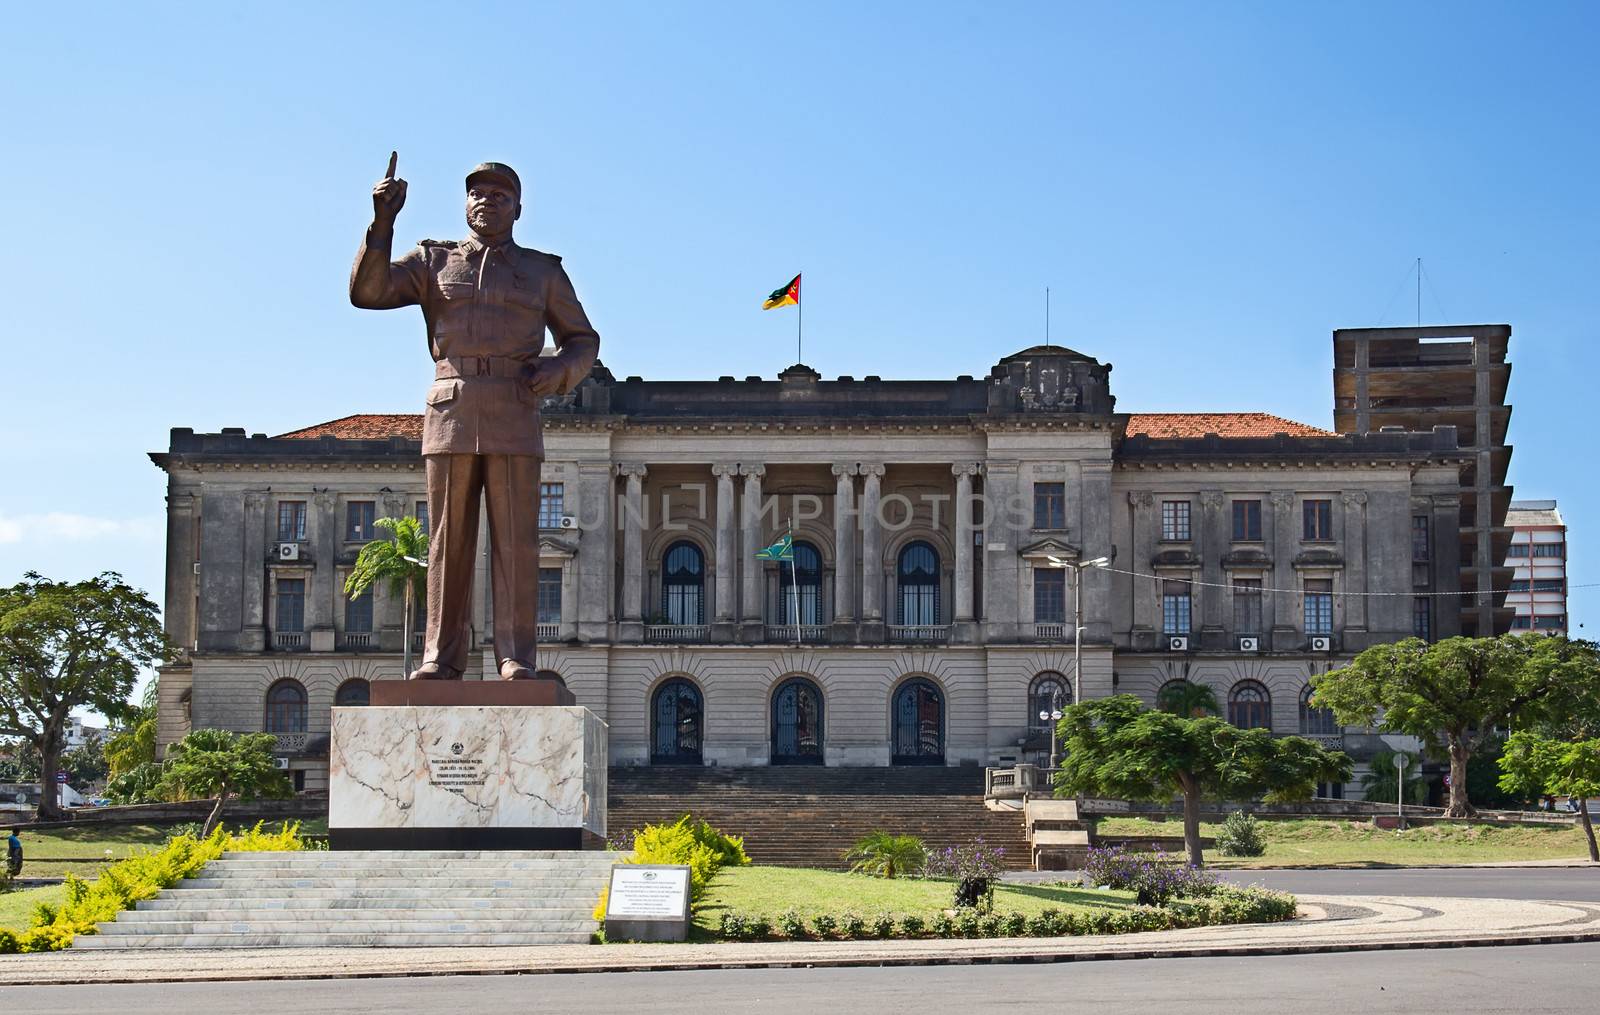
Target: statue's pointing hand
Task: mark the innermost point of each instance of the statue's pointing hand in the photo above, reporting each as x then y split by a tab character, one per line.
389	196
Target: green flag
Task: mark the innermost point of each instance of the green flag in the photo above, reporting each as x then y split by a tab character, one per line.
783	549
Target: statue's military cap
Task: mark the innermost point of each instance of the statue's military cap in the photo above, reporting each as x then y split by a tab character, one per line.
499	172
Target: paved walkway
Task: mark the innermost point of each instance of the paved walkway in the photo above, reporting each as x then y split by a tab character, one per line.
1328	923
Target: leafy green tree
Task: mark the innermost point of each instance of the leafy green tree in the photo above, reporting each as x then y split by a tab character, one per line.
1185	697
67	646
86	763
220	764
19	761
1536	765
1382	783
1115	747
886	856
399	559
141	784
1451	694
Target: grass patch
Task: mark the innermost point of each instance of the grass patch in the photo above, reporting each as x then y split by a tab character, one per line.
1319	843
771	890
16	908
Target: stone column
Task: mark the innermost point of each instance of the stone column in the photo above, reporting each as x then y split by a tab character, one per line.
845	571
1094	536
871	551
324	536
569	597
222	569
253	634
1354	545
1209	547
1005	531
178	610
596	563
964	471
632	628
727	551
1146	593
1278	608
751	540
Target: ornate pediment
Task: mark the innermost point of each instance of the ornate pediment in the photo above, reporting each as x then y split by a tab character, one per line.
551	545
1043	549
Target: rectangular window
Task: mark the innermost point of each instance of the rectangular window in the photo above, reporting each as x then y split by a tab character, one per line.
1318	520
358	518
1521	623
1175	607
1175	519
358	614
1422	618
1519	585
549	595
1548	549
1517	550
1319	606
551	504
291	521
1246	521
1049	505
1550	622
291	604
1546	584
422	514
1420	540
1247	606
1049	595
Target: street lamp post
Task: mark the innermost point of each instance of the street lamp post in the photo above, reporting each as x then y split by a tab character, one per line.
1052	715
1077	567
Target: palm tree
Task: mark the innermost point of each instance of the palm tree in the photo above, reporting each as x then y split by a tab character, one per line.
401	559
1188	699
886	856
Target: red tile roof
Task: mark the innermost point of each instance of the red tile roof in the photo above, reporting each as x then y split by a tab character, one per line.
366	426
1158	425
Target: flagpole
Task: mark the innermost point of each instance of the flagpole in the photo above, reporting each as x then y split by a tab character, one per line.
794	588
799	325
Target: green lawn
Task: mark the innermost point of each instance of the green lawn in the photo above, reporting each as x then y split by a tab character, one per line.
771	890
16	908
1358	843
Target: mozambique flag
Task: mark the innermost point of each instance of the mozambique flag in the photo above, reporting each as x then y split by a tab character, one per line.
783	549
788	296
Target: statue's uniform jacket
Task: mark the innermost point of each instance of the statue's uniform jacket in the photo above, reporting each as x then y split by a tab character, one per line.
487	309
481	302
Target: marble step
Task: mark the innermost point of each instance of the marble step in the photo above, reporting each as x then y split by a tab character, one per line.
357	940
409	924
449	867
320	895
462	910
299	856
375	882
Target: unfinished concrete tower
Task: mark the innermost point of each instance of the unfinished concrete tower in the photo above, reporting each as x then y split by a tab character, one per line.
1454	375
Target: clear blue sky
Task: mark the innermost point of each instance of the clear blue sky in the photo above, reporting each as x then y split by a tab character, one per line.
1209	189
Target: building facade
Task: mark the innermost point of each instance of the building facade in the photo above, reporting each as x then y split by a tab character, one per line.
926	617
1537	559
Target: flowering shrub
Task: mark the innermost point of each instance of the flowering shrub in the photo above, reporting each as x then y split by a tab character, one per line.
1154	881
975	868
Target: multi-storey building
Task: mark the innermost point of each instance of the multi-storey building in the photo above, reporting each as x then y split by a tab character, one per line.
925	619
1537	558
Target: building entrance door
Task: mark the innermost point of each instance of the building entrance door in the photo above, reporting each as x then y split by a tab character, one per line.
918	724
797	723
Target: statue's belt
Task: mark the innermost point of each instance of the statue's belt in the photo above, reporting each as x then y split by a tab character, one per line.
479	366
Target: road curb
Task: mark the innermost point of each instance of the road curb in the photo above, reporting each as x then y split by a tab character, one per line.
951	957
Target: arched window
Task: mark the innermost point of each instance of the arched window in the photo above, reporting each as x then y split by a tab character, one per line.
1048	692
917	718
797	723
1250	706
1313	719
677	721
918	574
352	693
683	584
286	707
801	587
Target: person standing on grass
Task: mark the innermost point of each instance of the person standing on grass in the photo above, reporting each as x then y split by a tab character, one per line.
14	854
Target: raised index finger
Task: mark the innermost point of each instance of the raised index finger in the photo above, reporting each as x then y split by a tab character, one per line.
388	174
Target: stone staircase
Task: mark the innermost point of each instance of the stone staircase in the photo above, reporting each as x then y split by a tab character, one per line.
806	816
370	899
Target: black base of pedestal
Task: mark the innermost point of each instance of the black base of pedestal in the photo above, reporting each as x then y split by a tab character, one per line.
464	838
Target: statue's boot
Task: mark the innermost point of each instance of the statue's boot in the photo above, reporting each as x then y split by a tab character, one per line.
512	669
435	671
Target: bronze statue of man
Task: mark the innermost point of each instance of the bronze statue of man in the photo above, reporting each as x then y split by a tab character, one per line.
487	303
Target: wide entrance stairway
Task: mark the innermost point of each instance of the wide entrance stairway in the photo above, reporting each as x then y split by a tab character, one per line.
806	816
371	899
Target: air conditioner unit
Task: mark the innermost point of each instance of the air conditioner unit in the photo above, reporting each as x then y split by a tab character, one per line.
1322	643
282	763
1249	644
288	551
568	522
1178	643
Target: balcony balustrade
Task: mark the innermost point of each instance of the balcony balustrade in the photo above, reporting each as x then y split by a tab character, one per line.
786	633
1050	632
289	641
358	641
931	634
678	634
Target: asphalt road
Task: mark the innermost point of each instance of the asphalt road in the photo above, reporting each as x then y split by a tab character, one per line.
1545	978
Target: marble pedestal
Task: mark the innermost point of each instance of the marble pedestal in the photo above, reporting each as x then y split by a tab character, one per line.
478	776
